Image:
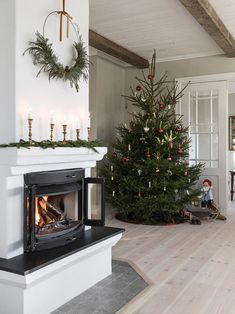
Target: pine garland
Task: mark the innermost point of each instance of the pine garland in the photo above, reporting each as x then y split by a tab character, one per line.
44	56
51	144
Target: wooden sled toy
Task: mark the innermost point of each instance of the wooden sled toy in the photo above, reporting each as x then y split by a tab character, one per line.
196	213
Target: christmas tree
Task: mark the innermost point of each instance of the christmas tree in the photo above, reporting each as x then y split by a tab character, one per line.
148	177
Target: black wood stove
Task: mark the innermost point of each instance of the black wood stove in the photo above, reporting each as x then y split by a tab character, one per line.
58	204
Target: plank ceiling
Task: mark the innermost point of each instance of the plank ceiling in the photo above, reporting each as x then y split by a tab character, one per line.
166	25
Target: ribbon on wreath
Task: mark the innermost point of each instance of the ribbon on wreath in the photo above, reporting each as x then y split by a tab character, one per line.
68	17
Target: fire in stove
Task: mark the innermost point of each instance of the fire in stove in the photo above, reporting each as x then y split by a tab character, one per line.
46	212
58	204
51	215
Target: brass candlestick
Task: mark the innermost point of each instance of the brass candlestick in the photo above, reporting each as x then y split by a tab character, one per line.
89	133
52	125
77	134
64	133
30	123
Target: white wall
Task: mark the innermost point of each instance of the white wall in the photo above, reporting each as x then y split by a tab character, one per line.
197	66
19	87
7	70
107	85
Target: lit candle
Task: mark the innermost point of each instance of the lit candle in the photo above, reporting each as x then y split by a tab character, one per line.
52	118
78	124
30	114
89	120
65	120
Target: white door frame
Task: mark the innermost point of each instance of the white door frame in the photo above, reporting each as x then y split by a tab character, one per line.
212	78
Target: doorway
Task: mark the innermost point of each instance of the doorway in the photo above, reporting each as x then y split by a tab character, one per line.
204	107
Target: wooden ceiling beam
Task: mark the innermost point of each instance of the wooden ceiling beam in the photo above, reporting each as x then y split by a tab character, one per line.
207	17
103	44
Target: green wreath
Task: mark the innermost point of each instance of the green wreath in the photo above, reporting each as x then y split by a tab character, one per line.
43	55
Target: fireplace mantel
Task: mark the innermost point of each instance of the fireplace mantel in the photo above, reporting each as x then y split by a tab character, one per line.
21	160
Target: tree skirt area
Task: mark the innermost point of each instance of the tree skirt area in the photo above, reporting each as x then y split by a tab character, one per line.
176	219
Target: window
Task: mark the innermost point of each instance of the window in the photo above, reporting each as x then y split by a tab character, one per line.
203	127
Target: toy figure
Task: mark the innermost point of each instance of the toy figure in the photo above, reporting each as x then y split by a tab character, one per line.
208	207
207	196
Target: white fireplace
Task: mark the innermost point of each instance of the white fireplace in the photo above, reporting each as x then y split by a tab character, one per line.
14	164
63	278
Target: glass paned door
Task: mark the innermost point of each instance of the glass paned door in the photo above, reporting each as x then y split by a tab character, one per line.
203	127
204	110
94	205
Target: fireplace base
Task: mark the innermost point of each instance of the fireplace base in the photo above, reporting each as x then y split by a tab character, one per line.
39	284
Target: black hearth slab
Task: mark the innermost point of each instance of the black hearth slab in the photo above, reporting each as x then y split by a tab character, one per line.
27	263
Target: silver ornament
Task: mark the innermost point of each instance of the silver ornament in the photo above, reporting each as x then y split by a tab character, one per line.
169	172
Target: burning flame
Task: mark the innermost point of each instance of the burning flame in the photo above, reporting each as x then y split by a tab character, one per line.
38	218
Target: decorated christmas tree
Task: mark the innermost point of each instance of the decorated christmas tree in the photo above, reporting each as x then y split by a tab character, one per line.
148	177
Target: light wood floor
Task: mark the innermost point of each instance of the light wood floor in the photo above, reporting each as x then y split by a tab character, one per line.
190	268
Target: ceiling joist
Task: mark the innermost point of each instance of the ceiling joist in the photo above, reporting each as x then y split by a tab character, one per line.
103	44
206	16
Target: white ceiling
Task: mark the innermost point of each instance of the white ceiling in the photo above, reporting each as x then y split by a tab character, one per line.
142	25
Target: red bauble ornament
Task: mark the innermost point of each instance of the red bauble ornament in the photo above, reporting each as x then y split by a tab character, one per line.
138	88
178	129
139	194
180	151
125	158
150	77
132	125
169	158
161	106
114	154
160	130
148	155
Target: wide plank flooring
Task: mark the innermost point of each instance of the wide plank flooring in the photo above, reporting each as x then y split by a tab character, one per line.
189	268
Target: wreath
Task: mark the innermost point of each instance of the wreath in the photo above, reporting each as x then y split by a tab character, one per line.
44	56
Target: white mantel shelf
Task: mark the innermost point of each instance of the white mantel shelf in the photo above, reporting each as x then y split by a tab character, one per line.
22	160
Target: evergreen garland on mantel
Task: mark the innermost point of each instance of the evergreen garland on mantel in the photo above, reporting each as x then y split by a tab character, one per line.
51	144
